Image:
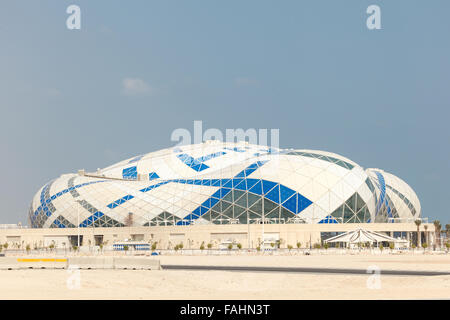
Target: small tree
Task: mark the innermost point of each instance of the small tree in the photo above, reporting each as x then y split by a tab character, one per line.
289	247
317	246
202	246
154	244
381	247
28	248
437	231
230	246
74	248
391	246
299	244
177	247
125	248
51	246
239	246
209	246
278	243
326	245
424	245
447	245
5	246
258	248
181	246
418	223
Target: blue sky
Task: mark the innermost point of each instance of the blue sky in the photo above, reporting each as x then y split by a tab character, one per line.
310	68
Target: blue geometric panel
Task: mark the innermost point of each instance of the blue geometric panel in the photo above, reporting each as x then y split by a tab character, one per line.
302	203
191	162
268	185
118	202
274	194
153	175
197	164
46	206
257	188
90	220
291	204
285	193
154	186
272	191
328	219
382	199
130	173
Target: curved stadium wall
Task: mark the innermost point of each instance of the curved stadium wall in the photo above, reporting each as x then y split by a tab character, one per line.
224	183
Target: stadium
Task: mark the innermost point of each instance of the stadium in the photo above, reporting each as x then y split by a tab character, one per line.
220	183
221	193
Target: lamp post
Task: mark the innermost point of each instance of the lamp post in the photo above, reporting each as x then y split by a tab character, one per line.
263	222
248	231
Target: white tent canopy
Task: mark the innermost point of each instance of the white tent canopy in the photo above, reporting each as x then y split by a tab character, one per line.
362	236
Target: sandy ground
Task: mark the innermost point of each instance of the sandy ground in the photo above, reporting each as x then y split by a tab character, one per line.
176	284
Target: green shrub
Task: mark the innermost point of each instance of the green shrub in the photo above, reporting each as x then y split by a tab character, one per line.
391	245
209	245
326	246
424	245
289	247
299	244
230	246
239	246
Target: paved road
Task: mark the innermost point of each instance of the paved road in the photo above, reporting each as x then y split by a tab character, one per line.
303	270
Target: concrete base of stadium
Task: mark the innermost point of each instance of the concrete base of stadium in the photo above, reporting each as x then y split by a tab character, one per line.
166	237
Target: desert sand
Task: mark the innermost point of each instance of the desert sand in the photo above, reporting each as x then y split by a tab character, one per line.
184	284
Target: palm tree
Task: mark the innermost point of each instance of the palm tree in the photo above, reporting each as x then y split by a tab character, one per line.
437	231
418	223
